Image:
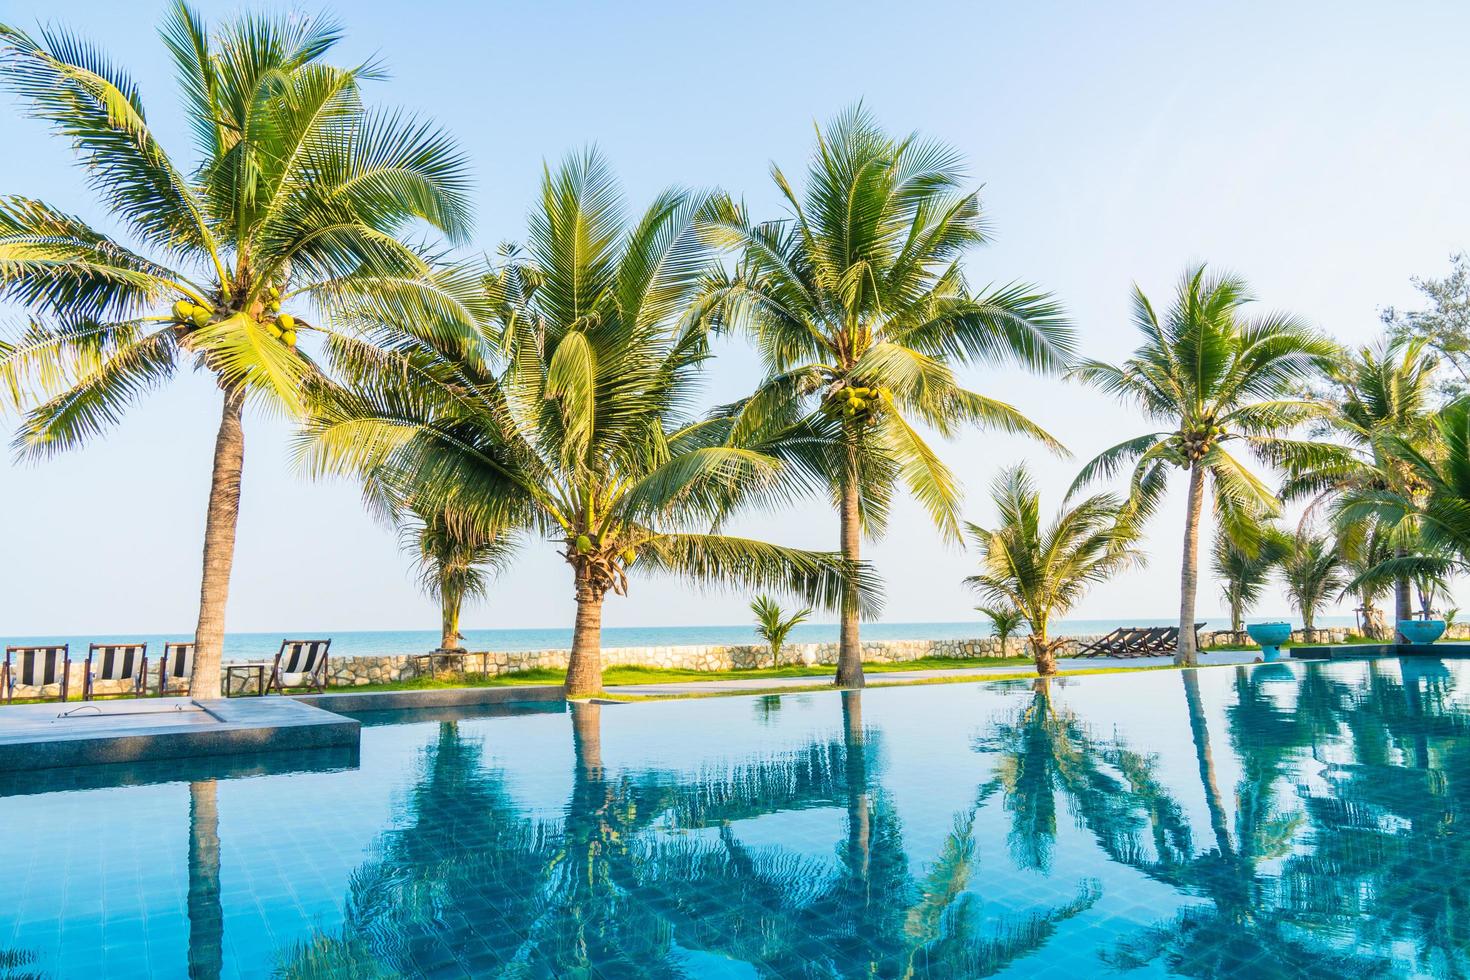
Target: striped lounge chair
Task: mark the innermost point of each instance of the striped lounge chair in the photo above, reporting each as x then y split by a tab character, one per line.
37	667
115	662
177	665
300	663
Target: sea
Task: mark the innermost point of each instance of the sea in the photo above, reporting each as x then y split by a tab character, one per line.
261	646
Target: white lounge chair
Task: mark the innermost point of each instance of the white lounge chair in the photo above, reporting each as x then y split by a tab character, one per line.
299	663
115	662
37	667
177	664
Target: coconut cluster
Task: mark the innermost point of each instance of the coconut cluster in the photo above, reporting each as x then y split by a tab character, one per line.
1198	441
857	402
187	314
281	326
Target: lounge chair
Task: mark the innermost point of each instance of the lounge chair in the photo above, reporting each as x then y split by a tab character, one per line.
1108	645
177	664
1137	641
115	662
299	663
37	667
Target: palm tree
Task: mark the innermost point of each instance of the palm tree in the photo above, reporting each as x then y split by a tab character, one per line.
1364	546
586	430
1380	393
456	560
294	200
859	305
1428	503
1044	571
1243	574
773	625
1214	377
1004	619
1314	573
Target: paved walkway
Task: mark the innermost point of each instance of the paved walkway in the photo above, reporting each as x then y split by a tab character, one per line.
904	676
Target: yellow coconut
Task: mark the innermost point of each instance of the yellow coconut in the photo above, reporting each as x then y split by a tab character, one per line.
289	336
199	315
286	321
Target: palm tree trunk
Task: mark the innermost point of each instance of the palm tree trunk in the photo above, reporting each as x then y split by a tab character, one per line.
1373	625
1186	654
1237	615
587	739
584	667
1043	652
1403	603
449	605
859	811
219	546
1199	727
850	647
206	914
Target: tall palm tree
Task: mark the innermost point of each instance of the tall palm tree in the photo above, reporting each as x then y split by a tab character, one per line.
587	429
286	220
859	305
1313	572
1243	573
1044	571
1214	377
1380	393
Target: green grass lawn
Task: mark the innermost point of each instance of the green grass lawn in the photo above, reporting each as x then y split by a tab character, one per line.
624	674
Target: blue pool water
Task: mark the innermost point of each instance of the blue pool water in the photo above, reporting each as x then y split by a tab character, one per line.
258	646
1282	820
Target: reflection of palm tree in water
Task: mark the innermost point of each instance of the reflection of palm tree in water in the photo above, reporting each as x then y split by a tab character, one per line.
1251	926
1043	750
472	881
15	965
206	915
867	917
1391	853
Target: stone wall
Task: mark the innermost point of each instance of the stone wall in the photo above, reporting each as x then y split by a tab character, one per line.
349	671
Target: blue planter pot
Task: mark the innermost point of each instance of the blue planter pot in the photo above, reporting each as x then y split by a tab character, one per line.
1421	631
1270	636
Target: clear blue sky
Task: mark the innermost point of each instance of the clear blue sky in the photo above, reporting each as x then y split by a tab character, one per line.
1319	149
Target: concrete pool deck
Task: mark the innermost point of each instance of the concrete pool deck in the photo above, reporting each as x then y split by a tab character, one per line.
44	736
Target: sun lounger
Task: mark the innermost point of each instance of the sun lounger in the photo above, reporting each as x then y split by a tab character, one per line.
177	665
37	667
1115	642
300	663
115	662
1137	641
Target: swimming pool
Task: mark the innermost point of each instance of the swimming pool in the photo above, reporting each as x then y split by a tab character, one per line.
1280	820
